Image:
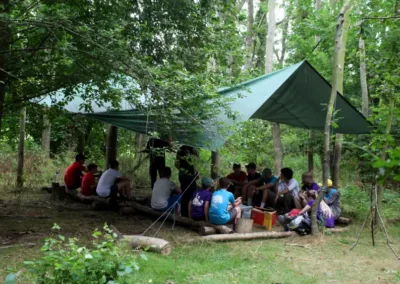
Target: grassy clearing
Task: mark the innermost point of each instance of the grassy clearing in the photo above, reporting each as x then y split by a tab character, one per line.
325	260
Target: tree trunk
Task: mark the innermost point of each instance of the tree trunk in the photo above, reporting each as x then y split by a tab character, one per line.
46	135
363	79
339	137
269	52
80	148
138	147
310	153
276	139
380	189
250	34
215	165
112	144
317	8
21	149
330	109
310	150
269	49
4	47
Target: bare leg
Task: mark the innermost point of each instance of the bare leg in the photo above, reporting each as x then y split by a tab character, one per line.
250	192
124	188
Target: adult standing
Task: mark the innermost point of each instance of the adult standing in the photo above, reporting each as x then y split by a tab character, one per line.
186	160
156	149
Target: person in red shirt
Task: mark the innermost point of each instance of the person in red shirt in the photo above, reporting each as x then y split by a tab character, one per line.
88	187
73	175
237	178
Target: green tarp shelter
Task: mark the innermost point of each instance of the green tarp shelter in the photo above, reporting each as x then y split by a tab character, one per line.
297	95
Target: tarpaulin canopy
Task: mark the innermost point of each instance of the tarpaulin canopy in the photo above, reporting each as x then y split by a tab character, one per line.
297	95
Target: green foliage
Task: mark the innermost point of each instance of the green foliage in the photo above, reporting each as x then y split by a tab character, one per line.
64	261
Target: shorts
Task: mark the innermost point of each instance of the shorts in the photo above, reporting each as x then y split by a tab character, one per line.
232	214
202	218
173	199
113	191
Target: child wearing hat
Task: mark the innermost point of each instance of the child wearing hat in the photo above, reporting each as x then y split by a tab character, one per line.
200	202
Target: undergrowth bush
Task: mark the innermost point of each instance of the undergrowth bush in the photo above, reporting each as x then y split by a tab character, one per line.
65	261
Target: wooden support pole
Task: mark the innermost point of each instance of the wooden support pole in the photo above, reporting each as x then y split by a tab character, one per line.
21	149
215	165
112	144
46	132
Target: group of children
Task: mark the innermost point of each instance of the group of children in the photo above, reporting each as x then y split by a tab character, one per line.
112	183
222	206
283	193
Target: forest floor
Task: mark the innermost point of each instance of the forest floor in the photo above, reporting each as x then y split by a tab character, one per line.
26	222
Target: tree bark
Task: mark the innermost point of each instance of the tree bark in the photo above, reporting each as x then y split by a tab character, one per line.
330	109
310	153
148	243
363	79
21	149
310	150
4	47
339	137
215	165
112	144
248	236
269	52
46	135
250	34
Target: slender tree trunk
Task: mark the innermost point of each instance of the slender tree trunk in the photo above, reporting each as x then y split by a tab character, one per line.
215	165
81	142
310	152
21	149
46	135
380	189
4	47
138	146
329	113
269	49
269	52
339	137
363	79
250	34
112	144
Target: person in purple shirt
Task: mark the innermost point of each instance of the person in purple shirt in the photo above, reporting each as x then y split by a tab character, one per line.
326	215
200	202
308	183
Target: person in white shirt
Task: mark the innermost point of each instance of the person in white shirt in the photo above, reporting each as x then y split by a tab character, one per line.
112	183
166	193
287	192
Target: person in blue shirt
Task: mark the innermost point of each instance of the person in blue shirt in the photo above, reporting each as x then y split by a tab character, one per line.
266	184
224	208
332	198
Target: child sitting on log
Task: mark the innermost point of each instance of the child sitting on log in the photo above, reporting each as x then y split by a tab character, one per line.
88	187
200	203
73	174
224	208
166	193
112	183
308	183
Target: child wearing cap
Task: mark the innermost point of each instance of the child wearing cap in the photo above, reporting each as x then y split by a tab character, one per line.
200	202
332	199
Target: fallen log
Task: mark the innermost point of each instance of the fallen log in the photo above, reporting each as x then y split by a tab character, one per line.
338	230
141	242
343	221
148	243
205	231
186	222
248	236
214	229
